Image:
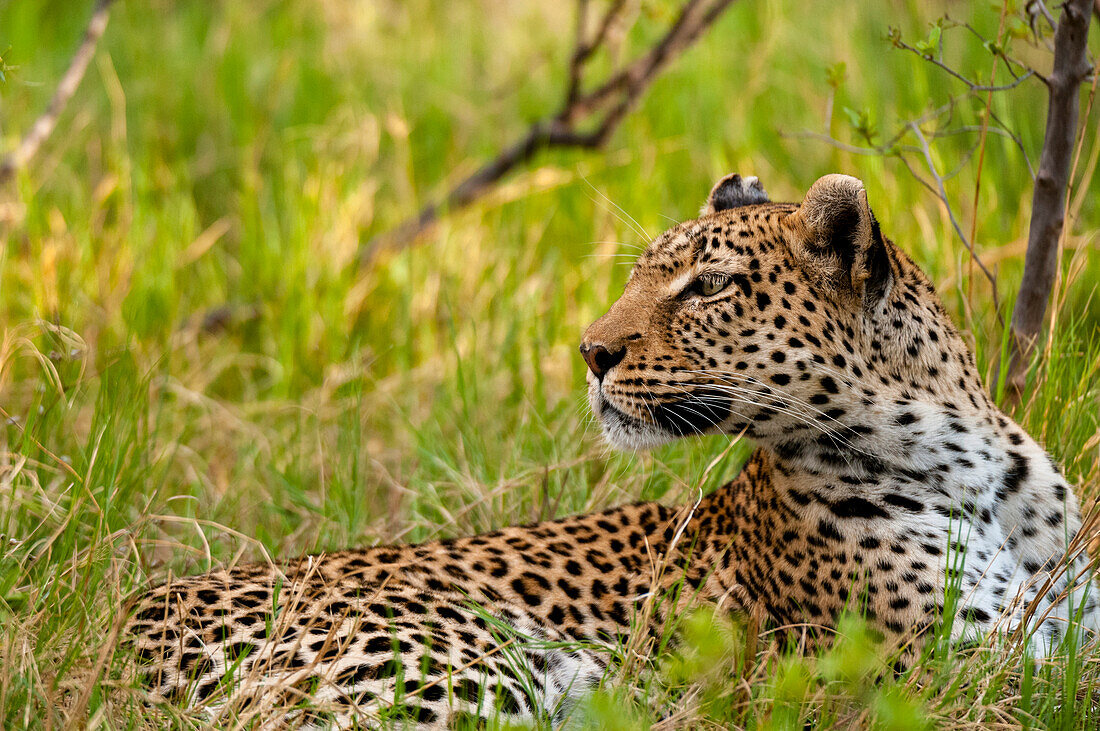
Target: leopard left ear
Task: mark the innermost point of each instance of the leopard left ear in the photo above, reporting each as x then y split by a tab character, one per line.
734	191
836	231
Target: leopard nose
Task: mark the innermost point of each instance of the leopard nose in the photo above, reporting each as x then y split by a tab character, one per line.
599	359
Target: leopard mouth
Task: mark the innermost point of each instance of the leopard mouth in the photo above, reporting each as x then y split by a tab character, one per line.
695	414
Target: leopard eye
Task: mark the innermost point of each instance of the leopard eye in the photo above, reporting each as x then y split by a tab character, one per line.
710	284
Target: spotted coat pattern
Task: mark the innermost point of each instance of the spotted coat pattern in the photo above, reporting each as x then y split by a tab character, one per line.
884	478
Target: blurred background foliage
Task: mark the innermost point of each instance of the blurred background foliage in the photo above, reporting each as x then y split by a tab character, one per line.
194	368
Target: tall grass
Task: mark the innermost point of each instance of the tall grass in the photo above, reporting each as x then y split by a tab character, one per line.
193	371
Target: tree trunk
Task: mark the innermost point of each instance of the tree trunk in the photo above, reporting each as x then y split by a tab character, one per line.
1048	201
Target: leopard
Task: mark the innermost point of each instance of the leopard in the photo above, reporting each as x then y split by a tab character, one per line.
883	480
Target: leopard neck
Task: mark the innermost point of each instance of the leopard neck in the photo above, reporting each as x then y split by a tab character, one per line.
923	447
945	467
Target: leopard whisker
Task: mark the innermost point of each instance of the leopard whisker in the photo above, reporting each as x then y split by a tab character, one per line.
738	398
806	421
725	402
769	394
621	214
775	396
673	413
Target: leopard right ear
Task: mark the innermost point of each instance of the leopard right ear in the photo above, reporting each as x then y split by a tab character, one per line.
733	191
837	236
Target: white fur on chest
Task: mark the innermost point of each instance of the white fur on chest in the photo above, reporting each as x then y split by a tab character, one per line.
981	503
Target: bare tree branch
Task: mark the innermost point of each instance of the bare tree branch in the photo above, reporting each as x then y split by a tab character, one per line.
583	49
1048	201
972	85
942	192
893	147
585	119
44	126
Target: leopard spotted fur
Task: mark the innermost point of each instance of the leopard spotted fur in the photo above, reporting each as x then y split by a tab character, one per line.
884	475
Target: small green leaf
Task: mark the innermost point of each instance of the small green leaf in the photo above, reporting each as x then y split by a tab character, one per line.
836	74
931	44
863	123
1017	28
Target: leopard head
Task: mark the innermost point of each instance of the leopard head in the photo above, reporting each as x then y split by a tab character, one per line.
783	321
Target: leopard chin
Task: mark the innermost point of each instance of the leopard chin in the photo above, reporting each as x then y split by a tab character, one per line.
692	415
622	431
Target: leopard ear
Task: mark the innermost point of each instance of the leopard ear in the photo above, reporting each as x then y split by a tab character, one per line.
734	191
836	231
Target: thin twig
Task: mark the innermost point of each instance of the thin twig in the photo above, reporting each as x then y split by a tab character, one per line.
927	153
972	85
834	142
998	130
44	126
585	120
893	148
1037	9
998	51
1001	124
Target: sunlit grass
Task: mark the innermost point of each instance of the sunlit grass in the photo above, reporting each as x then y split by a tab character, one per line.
193	370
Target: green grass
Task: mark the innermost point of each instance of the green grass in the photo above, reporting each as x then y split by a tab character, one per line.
232	156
